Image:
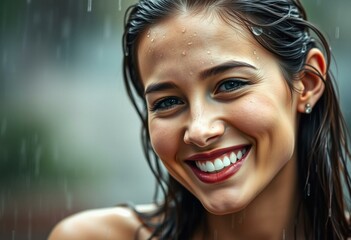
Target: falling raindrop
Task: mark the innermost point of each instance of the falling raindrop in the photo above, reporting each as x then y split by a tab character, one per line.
66	28
215	235
89	5
37	159
329	212
284	234
308	189
3	127
107	27
257	31
119	5
337	32
68	198
13	234
23	151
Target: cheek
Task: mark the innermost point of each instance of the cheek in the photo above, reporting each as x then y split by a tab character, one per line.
268	122
163	139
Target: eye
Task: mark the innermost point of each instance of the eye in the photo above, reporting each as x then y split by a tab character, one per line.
165	104
230	85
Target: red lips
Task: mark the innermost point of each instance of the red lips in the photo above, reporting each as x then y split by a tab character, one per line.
223	174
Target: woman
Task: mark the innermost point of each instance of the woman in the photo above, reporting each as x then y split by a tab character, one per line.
237	101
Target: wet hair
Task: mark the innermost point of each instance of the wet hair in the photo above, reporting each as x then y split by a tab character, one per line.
281	27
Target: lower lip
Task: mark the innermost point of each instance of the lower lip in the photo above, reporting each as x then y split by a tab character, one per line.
216	177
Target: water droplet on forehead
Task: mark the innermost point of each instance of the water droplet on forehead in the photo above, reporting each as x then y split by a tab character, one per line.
195	34
190	43
257	31
183	30
208	52
152	40
183	53
254	52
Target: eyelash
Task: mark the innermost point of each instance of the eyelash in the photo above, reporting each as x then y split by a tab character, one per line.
236	82
173	101
157	106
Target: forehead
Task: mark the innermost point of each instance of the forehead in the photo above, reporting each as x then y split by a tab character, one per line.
187	29
186	32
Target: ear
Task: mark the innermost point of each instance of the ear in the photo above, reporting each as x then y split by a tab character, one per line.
311	84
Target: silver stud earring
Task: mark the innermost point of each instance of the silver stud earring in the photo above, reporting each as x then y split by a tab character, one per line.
308	108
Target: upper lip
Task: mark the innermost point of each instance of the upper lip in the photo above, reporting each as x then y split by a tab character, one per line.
215	153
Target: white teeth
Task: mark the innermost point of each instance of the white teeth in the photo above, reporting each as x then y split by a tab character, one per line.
226	161
233	157
243	151
218	164
210	167
239	155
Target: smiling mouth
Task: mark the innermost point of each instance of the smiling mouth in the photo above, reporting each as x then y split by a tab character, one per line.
225	161
222	162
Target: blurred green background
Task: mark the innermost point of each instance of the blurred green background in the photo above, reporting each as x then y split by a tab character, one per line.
69	138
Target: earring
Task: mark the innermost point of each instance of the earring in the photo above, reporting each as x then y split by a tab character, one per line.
308	108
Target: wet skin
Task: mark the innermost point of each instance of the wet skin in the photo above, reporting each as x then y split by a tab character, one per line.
243	101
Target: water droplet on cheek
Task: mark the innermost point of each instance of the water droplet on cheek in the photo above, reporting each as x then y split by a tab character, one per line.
190	43
183	53
152	40
208	52
183	30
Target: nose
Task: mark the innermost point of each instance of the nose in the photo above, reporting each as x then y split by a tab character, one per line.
203	129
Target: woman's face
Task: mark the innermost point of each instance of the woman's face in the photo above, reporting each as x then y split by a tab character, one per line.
220	114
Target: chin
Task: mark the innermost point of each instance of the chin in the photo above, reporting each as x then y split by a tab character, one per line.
225	206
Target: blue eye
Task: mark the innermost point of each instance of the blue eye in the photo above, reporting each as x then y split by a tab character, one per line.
230	85
166	103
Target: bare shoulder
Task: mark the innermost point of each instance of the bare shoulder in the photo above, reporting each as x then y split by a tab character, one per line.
110	223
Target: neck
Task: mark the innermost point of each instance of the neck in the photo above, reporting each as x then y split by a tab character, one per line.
271	215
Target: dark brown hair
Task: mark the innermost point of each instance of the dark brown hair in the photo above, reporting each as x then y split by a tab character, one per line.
281	27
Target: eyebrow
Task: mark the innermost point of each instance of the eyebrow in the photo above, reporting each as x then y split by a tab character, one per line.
223	67
156	87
